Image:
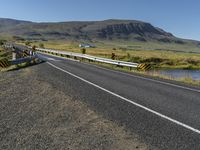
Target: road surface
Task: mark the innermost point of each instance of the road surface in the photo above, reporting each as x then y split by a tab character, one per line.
164	114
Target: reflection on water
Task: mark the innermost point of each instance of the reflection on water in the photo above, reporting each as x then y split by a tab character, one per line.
194	74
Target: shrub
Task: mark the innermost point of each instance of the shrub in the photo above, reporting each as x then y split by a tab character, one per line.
191	61
136	59
34	47
123	48
83	50
27	43
128	55
170	62
154	59
18	38
190	67
2	42
41	45
113	56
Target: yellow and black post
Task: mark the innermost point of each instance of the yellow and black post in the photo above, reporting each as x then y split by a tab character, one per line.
4	63
144	67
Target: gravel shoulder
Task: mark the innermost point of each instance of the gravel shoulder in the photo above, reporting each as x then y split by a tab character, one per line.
35	115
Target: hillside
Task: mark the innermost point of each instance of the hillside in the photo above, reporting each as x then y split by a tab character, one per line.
107	30
6	24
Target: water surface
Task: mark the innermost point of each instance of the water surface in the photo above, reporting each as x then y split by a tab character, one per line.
194	74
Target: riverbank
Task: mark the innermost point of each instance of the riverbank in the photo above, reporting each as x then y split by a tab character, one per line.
186	80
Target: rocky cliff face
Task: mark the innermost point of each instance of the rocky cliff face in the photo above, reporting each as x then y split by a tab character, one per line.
135	29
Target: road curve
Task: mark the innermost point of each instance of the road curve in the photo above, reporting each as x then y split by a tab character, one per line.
163	113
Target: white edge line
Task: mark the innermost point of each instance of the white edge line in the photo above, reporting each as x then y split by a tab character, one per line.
64	58
127	100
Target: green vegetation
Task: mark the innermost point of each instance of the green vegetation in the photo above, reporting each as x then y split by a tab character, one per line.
2	42
27	43
160	59
41	45
1	49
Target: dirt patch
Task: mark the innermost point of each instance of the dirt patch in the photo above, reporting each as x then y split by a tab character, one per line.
35	115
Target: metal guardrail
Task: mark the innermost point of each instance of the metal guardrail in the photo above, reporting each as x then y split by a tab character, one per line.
16	49
22	60
84	56
89	57
4	63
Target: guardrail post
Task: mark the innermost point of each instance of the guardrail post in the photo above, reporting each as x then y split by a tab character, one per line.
14	54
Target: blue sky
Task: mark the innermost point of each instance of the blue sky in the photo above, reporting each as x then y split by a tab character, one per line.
180	17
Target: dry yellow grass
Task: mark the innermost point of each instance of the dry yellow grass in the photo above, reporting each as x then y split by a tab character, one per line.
167	59
105	50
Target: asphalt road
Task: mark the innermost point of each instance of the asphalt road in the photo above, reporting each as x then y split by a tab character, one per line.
36	115
164	114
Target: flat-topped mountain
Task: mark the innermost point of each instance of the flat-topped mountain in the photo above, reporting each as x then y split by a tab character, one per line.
86	30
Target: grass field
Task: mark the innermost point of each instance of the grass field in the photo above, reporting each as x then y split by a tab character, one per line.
161	59
1	49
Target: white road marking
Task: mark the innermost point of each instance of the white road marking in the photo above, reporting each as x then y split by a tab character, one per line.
51	59
127	100
48	58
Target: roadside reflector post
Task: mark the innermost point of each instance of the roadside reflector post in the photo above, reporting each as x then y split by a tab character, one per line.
31	53
14	55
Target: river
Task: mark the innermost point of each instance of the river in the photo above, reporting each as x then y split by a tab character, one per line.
194	74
